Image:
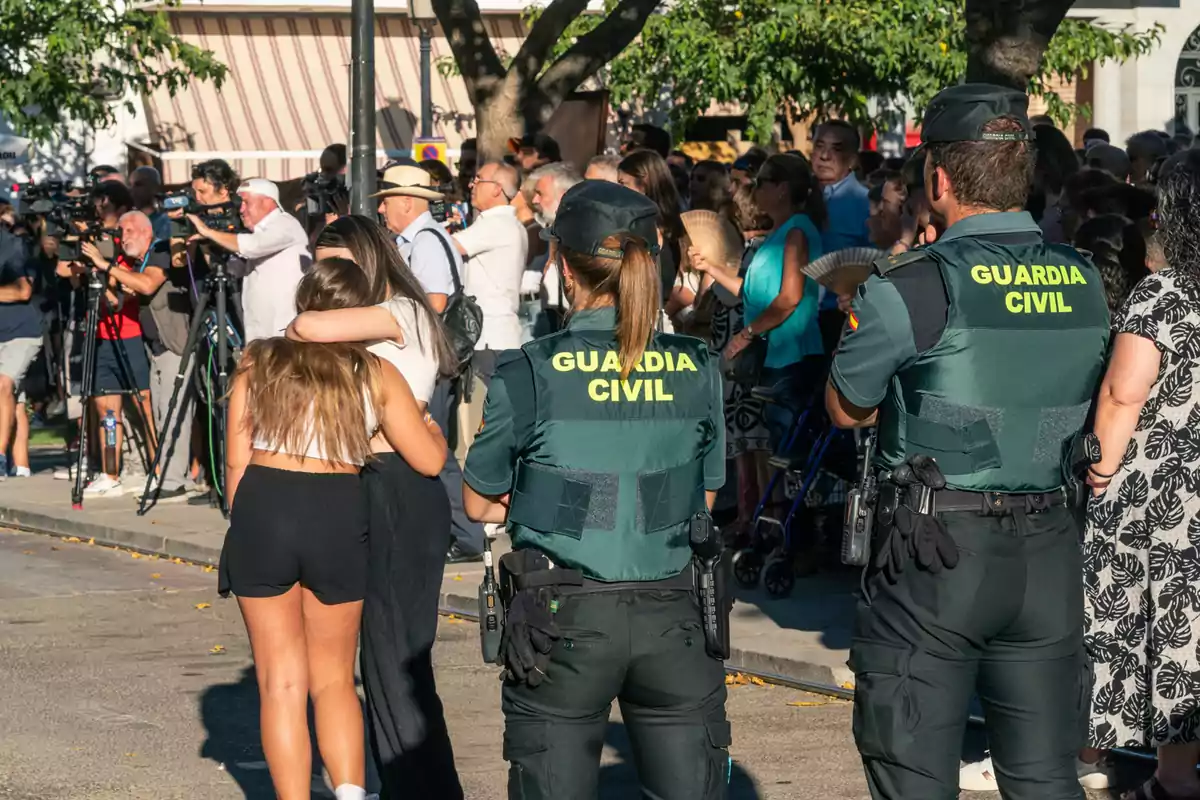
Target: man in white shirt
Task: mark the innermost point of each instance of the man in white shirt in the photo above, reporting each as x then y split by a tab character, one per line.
276	255
496	247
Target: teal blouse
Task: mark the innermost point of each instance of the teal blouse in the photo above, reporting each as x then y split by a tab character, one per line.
799	335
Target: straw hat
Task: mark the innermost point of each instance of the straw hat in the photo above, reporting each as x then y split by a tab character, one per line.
717	239
405	180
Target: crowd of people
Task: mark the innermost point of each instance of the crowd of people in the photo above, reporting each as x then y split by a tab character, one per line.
730	252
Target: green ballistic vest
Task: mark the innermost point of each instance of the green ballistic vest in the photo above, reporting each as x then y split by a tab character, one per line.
1000	395
611	472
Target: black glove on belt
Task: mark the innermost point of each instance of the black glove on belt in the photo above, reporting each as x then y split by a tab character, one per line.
917	535
529	634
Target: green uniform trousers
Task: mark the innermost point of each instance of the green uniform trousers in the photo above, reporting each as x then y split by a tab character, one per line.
644	648
1006	624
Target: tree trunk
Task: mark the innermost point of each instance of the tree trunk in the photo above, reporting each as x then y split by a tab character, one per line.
1006	38
520	98
497	119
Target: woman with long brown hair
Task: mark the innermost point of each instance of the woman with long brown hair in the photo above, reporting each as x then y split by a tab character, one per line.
602	446
301	420
646	173
410	518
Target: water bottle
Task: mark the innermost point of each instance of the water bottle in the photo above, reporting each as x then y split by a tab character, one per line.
110	442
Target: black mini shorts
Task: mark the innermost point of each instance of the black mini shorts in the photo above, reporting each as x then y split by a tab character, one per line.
296	527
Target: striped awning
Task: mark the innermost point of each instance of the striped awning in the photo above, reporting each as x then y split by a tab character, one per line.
287	94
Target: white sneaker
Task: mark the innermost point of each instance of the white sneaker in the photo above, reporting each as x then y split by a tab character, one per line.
978	777
22	472
1094	776
104	486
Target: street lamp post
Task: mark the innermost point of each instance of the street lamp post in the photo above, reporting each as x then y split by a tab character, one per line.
362	105
421	13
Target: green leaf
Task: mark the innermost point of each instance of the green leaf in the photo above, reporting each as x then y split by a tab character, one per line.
57	54
827	56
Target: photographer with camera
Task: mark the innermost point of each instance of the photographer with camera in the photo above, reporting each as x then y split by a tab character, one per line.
326	196
164	314
20	331
120	362
276	254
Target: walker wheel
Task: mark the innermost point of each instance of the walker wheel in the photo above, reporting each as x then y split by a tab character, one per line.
779	577
747	567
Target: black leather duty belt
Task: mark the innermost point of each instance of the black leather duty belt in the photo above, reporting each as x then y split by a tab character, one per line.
996	504
681	582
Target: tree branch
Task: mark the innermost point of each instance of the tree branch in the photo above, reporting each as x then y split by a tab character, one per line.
544	34
1006	38
595	49
462	25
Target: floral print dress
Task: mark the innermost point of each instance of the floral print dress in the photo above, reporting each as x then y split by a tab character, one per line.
1142	541
745	426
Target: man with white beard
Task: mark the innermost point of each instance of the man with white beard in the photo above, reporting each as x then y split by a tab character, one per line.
550	183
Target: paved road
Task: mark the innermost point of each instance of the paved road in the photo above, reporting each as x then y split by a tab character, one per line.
118	681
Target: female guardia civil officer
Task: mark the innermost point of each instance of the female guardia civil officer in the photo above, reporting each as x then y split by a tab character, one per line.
598	446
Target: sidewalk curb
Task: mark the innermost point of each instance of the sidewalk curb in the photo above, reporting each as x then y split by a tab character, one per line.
150	544
169	546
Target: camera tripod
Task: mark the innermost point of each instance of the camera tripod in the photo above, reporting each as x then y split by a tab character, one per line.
214	299
91	325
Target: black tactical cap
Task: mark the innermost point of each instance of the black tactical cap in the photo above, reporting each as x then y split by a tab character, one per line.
592	211
958	114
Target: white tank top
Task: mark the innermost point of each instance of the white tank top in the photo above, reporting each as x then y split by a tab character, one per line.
315	447
414	359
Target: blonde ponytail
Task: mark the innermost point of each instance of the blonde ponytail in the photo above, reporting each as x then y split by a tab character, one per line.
637	303
631	283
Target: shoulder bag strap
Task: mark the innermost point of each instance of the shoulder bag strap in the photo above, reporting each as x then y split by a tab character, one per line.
458	287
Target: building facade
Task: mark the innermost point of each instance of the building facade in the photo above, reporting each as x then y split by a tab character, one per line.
1156	90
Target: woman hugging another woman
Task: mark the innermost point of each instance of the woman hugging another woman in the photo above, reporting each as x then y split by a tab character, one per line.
409	517
301	420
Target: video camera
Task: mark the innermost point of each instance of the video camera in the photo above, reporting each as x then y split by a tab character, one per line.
325	194
225	217
68	210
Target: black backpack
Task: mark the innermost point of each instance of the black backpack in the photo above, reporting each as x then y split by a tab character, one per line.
462	319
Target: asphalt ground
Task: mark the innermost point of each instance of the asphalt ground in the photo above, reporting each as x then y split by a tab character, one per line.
125	677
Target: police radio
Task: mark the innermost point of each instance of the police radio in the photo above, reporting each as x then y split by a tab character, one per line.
491	610
860	508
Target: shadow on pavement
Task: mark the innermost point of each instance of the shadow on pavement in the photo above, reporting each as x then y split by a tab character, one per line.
619	781
229	712
822	604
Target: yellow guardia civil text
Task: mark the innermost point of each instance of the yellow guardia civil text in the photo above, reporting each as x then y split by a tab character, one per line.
1031	301
633	389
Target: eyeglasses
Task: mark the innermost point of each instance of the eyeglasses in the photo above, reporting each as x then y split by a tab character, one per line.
760	181
478	180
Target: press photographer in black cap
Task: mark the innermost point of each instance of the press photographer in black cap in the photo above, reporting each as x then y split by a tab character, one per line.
602	448
976	356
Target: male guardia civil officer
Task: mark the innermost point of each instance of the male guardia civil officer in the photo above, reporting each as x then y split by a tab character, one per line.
976	356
